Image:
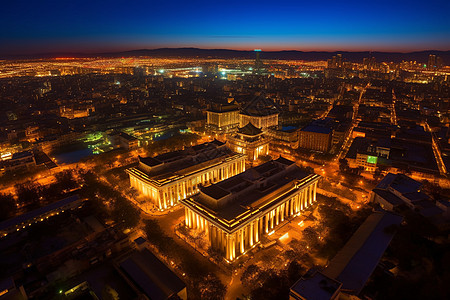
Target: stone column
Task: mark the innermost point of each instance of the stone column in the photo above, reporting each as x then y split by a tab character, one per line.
315	191
277	215
242	240
271	219
250	236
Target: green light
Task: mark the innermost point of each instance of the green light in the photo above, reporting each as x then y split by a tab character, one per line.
60	291
372	159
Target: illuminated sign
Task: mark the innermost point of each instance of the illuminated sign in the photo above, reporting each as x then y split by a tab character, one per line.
372	159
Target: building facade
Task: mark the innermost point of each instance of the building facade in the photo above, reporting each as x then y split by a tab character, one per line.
315	138
250	141
237	212
170	177
222	118
262	112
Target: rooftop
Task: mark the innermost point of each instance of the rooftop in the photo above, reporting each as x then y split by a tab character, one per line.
399	182
236	199
249	129
356	261
37	212
316	287
151	276
317	129
170	166
260	106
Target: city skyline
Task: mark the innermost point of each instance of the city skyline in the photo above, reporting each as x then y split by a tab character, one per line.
352	26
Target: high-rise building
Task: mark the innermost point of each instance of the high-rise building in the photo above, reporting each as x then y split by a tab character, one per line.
431	62
258	62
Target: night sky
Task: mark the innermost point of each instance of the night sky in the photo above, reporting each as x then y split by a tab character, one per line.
89	26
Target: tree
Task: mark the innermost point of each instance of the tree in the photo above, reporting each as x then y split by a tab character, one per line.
343	165
249	276
66	180
29	193
377	174
294	271
124	212
211	287
8	207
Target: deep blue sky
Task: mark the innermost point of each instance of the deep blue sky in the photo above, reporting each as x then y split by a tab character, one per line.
88	26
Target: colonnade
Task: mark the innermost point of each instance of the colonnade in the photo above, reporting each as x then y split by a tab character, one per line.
246	236
169	194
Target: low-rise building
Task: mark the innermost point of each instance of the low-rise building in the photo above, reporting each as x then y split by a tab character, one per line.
19	161
315	137
250	141
40	214
284	136
396	190
151	277
314	285
237	212
170	177
261	111
123	140
355	262
222	118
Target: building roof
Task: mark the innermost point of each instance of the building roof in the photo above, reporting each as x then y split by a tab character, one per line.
317	129
261	106
356	261
151	276
250	129
22	154
171	166
399	182
318	286
37	212
284	161
150	161
233	201
221	108
389	197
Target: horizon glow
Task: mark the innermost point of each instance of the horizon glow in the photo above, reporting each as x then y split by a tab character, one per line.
92	26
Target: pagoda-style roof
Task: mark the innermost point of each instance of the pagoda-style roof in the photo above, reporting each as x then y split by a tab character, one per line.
261	106
250	129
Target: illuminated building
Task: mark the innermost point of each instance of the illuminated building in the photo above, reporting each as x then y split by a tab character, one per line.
258	62
236	212
315	138
284	136
74	113
38	215
123	140
19	161
222	117
262	112
170	177
250	141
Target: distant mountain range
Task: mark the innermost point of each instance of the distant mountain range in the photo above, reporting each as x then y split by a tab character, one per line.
419	56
